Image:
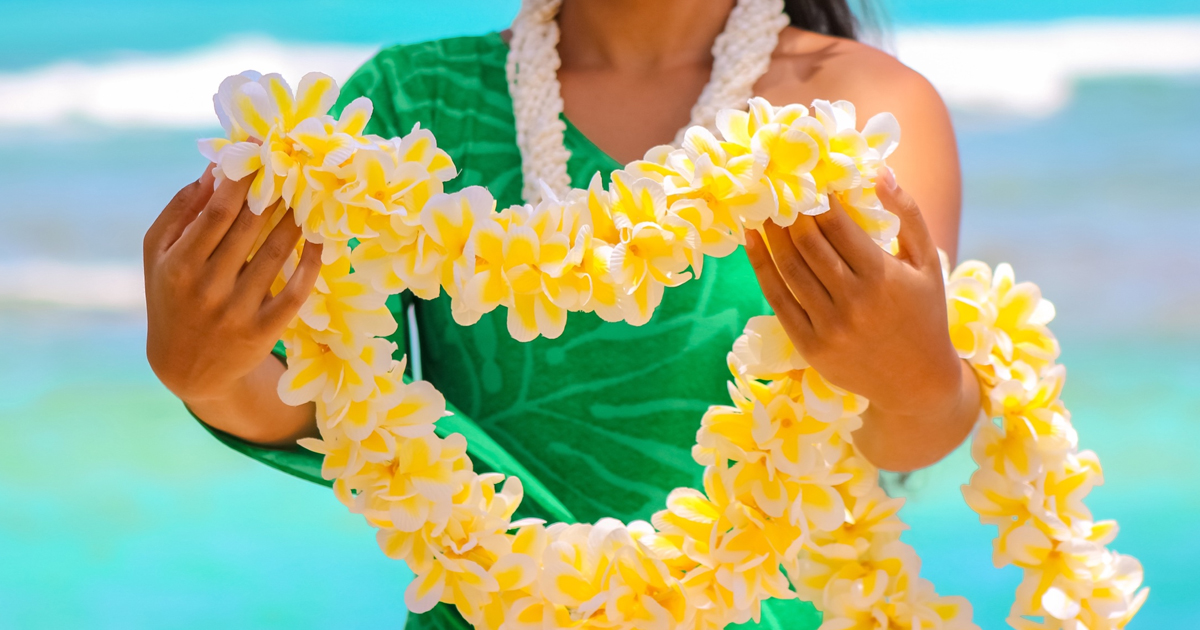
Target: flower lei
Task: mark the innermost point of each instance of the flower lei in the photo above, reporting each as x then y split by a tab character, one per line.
741	55
786	497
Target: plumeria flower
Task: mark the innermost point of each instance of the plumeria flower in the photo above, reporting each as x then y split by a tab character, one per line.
341	454
452	562
312	151
868	606
610	301
868	518
793	507
1035	430
516	574
1063	577
394	410
448	221
972	314
345	308
1021	321
863	588
879	137
638	591
421	147
1003	327
801	155
863	207
414	491
919	607
379	259
739	561
654	244
397	257
354	433
1066	486
1117	593
335	374
377	183
689	524
634	254
646	595
257	112
253	104
317	171
718	182
781	431
790	154
575	566
744	586
791	439
863	477
832	569
738	127
764	351
530	260
1002	501
481	283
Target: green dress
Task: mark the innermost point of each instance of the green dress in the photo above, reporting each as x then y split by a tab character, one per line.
599	422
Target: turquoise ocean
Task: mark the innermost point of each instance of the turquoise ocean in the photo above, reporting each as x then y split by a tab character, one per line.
119	511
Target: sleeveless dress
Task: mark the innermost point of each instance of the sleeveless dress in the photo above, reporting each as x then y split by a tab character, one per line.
599	422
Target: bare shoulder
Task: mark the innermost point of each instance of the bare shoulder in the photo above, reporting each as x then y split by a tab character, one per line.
807	66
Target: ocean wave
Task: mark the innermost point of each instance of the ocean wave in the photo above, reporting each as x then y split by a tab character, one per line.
93	286
164	91
1032	69
1027	69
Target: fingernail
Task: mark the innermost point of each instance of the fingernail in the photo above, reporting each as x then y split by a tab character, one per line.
887	178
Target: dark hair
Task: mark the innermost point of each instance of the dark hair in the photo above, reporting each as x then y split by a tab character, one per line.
830	17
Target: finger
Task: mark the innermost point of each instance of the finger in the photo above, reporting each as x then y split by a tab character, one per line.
201	237
279	310
262	270
864	257
796	273
820	255
180	211
915	242
235	248
790	313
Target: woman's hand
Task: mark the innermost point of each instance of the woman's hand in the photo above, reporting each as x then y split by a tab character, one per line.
212	320
873	324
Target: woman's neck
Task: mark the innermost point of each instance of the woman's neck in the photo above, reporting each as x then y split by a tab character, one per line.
639	36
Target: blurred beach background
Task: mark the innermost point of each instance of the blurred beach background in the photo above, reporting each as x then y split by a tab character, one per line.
1079	126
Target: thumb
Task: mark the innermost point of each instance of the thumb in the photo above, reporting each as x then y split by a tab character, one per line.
916	245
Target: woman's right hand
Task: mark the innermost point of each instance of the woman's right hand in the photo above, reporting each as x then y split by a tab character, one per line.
212	320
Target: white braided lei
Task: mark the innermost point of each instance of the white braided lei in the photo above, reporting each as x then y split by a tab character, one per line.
741	55
787	498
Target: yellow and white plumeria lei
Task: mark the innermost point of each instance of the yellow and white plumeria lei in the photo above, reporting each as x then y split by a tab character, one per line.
786	497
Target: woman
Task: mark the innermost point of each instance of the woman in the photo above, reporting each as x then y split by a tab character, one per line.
600	421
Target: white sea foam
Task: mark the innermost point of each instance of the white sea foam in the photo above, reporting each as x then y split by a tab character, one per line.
1026	69
99	286
164	91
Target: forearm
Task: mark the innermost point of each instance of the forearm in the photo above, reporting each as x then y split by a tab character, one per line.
905	442
253	411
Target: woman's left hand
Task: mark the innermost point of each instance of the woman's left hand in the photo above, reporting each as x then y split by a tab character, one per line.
871	323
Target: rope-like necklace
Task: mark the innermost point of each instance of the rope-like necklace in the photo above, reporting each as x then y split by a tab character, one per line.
741	55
